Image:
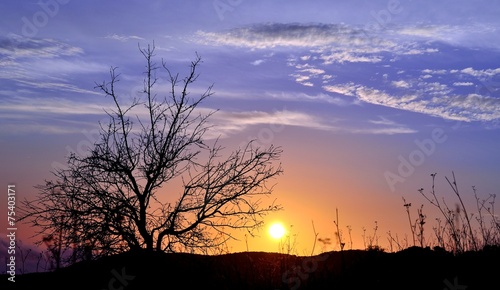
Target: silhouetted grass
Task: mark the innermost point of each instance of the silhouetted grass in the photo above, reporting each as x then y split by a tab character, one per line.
461	230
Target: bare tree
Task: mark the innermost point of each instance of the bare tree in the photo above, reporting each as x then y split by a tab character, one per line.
118	197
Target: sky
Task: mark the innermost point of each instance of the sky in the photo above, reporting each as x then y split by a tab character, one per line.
366	98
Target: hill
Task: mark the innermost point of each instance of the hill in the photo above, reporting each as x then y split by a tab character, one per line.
412	268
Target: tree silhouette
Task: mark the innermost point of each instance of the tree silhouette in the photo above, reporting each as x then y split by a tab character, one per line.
118	197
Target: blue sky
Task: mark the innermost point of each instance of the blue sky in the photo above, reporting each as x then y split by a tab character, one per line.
348	88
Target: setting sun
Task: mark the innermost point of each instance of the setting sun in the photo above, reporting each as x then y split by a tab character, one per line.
277	231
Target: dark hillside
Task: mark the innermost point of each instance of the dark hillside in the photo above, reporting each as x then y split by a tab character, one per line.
413	268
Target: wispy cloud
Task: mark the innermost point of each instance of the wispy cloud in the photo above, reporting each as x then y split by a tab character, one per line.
385	126
258	62
280	35
335	56
318	98
401	84
312	71
383	121
463	84
29	106
59	86
22	114
482	73
233	122
471	107
435	72
67	66
123	38
45	128
44	64
228	123
348	89
332	43
15	47
383	131
428	31
467	35
476	73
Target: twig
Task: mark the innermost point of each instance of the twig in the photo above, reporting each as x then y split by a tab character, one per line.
339	235
315	238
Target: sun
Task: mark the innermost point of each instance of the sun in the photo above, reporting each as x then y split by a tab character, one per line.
277	231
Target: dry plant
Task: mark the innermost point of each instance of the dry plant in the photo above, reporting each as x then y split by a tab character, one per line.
416	227
490	231
287	245
407	205
373	239
456	232
420	222
315	238
394	240
349	230
338	233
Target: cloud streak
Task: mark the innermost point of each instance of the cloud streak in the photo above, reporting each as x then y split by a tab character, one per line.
123	38
228	123
333	43
468	108
49	106
44	64
18	47
274	35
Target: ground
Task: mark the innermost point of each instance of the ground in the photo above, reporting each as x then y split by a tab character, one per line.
412	268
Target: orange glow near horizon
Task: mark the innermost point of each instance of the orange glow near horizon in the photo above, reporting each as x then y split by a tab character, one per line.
335	174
